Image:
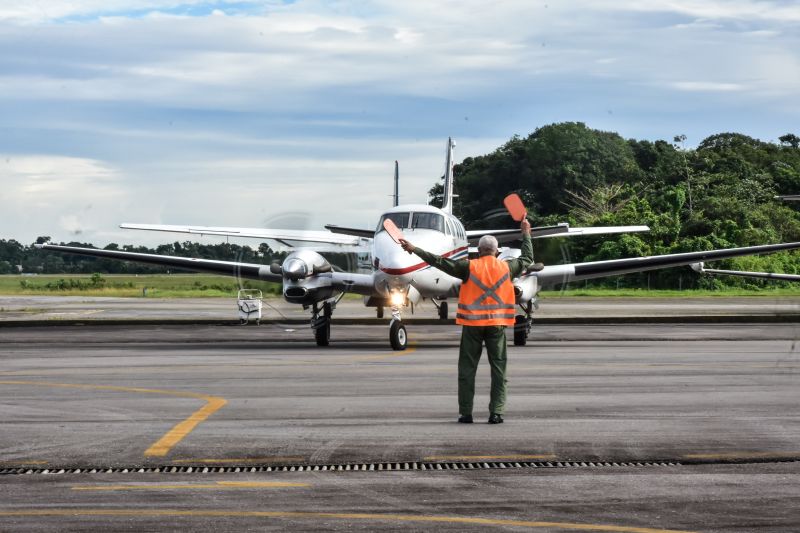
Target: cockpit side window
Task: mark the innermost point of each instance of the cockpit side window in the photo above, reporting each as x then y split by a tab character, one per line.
400	220
460	230
432	221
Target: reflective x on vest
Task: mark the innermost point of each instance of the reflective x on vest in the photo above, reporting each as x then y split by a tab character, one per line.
487	297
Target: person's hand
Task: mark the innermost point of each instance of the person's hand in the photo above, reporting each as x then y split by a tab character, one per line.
407	246
525	226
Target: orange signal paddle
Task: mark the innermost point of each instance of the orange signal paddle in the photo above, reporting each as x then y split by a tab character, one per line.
393	231
515	207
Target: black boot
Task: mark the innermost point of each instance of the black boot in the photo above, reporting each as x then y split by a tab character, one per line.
494	418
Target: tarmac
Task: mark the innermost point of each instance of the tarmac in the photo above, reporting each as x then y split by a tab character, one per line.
27	310
609	427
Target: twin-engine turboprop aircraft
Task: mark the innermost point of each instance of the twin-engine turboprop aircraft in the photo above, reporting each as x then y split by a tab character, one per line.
399	280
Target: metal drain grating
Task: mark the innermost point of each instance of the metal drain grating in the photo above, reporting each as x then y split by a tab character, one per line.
349	467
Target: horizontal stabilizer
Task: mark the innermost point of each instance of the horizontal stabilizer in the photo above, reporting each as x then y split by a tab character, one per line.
357	232
544	232
281	235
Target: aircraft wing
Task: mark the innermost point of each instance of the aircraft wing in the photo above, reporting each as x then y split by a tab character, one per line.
698	267
353	282
225	268
543	232
280	235
555	274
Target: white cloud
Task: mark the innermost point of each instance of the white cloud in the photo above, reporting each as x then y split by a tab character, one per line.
81	194
230	119
706	86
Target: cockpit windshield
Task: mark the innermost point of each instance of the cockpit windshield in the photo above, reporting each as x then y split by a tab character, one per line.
399	219
432	221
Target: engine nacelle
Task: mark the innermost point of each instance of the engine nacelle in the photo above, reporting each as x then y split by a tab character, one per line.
307	278
525	289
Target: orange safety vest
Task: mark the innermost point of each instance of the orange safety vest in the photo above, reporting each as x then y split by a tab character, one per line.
487	297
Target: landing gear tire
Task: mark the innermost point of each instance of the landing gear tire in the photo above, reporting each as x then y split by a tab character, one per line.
398	337
322	326
520	330
323	333
443	311
379	312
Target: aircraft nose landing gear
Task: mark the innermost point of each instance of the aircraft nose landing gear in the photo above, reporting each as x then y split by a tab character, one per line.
398	337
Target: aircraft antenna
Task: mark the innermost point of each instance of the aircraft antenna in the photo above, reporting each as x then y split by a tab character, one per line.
396	184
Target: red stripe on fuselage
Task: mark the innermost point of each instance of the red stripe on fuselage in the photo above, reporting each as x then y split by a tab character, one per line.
401	271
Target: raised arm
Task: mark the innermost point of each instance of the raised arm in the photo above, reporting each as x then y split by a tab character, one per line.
518	265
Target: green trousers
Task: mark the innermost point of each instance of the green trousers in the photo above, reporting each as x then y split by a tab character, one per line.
472	340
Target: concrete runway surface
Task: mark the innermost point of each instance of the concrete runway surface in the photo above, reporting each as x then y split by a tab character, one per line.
552	308
632	428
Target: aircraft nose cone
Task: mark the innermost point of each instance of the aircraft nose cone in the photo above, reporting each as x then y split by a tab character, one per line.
295	269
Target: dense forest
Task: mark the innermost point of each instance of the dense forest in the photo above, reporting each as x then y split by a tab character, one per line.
717	195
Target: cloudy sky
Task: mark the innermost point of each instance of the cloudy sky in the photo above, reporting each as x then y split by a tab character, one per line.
290	114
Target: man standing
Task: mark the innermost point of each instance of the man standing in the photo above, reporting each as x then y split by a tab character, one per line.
485	308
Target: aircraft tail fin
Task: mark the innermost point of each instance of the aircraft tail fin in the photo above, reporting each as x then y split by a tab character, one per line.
447	200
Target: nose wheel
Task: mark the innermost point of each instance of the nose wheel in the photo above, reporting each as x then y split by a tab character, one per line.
398	337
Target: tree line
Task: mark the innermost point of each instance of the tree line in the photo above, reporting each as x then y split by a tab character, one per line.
15	256
717	195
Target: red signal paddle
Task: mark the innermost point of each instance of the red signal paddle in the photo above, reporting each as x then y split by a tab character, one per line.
515	207
393	231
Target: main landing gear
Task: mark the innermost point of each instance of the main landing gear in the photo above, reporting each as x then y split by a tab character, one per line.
442	308
522	325
321	323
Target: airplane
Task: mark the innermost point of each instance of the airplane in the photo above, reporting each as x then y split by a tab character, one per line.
398	280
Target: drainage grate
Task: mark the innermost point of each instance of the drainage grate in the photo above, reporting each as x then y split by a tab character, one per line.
349	467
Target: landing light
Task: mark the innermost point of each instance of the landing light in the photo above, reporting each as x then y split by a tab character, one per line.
397	299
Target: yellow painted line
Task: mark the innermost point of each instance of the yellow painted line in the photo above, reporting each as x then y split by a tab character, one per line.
217	485
150	513
173	436
22	463
488	457
261	484
741	455
241	460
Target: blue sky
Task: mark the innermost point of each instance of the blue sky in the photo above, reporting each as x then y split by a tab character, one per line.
271	113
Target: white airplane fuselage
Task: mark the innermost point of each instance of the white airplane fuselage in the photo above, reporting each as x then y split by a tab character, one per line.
398	272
